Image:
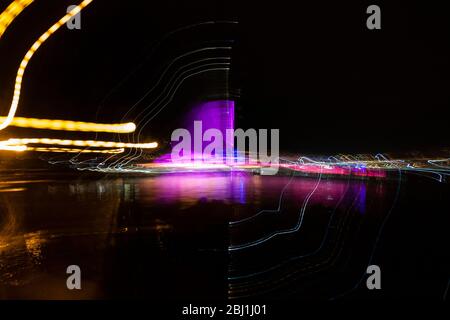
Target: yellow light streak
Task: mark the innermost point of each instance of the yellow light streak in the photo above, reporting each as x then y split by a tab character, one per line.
78	143
11	12
74	150
13	148
67	125
22	148
11	190
20	72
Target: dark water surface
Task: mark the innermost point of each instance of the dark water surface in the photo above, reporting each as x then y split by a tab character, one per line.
221	236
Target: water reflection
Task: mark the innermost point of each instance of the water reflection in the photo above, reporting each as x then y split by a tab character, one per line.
188	188
167	235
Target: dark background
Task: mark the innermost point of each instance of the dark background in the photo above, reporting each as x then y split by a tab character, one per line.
313	70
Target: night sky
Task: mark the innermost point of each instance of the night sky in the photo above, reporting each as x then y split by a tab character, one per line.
312	70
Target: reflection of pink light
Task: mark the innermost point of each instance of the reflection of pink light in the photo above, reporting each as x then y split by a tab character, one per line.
189	188
242	188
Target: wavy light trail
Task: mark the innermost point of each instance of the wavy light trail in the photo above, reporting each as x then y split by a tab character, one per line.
23	65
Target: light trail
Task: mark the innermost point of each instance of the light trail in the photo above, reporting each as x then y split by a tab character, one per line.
20	145
284	231
23	65
73	150
79	143
174	88
11	12
22	148
13	148
67	125
312	253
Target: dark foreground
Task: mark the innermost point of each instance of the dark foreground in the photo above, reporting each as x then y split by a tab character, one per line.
221	236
